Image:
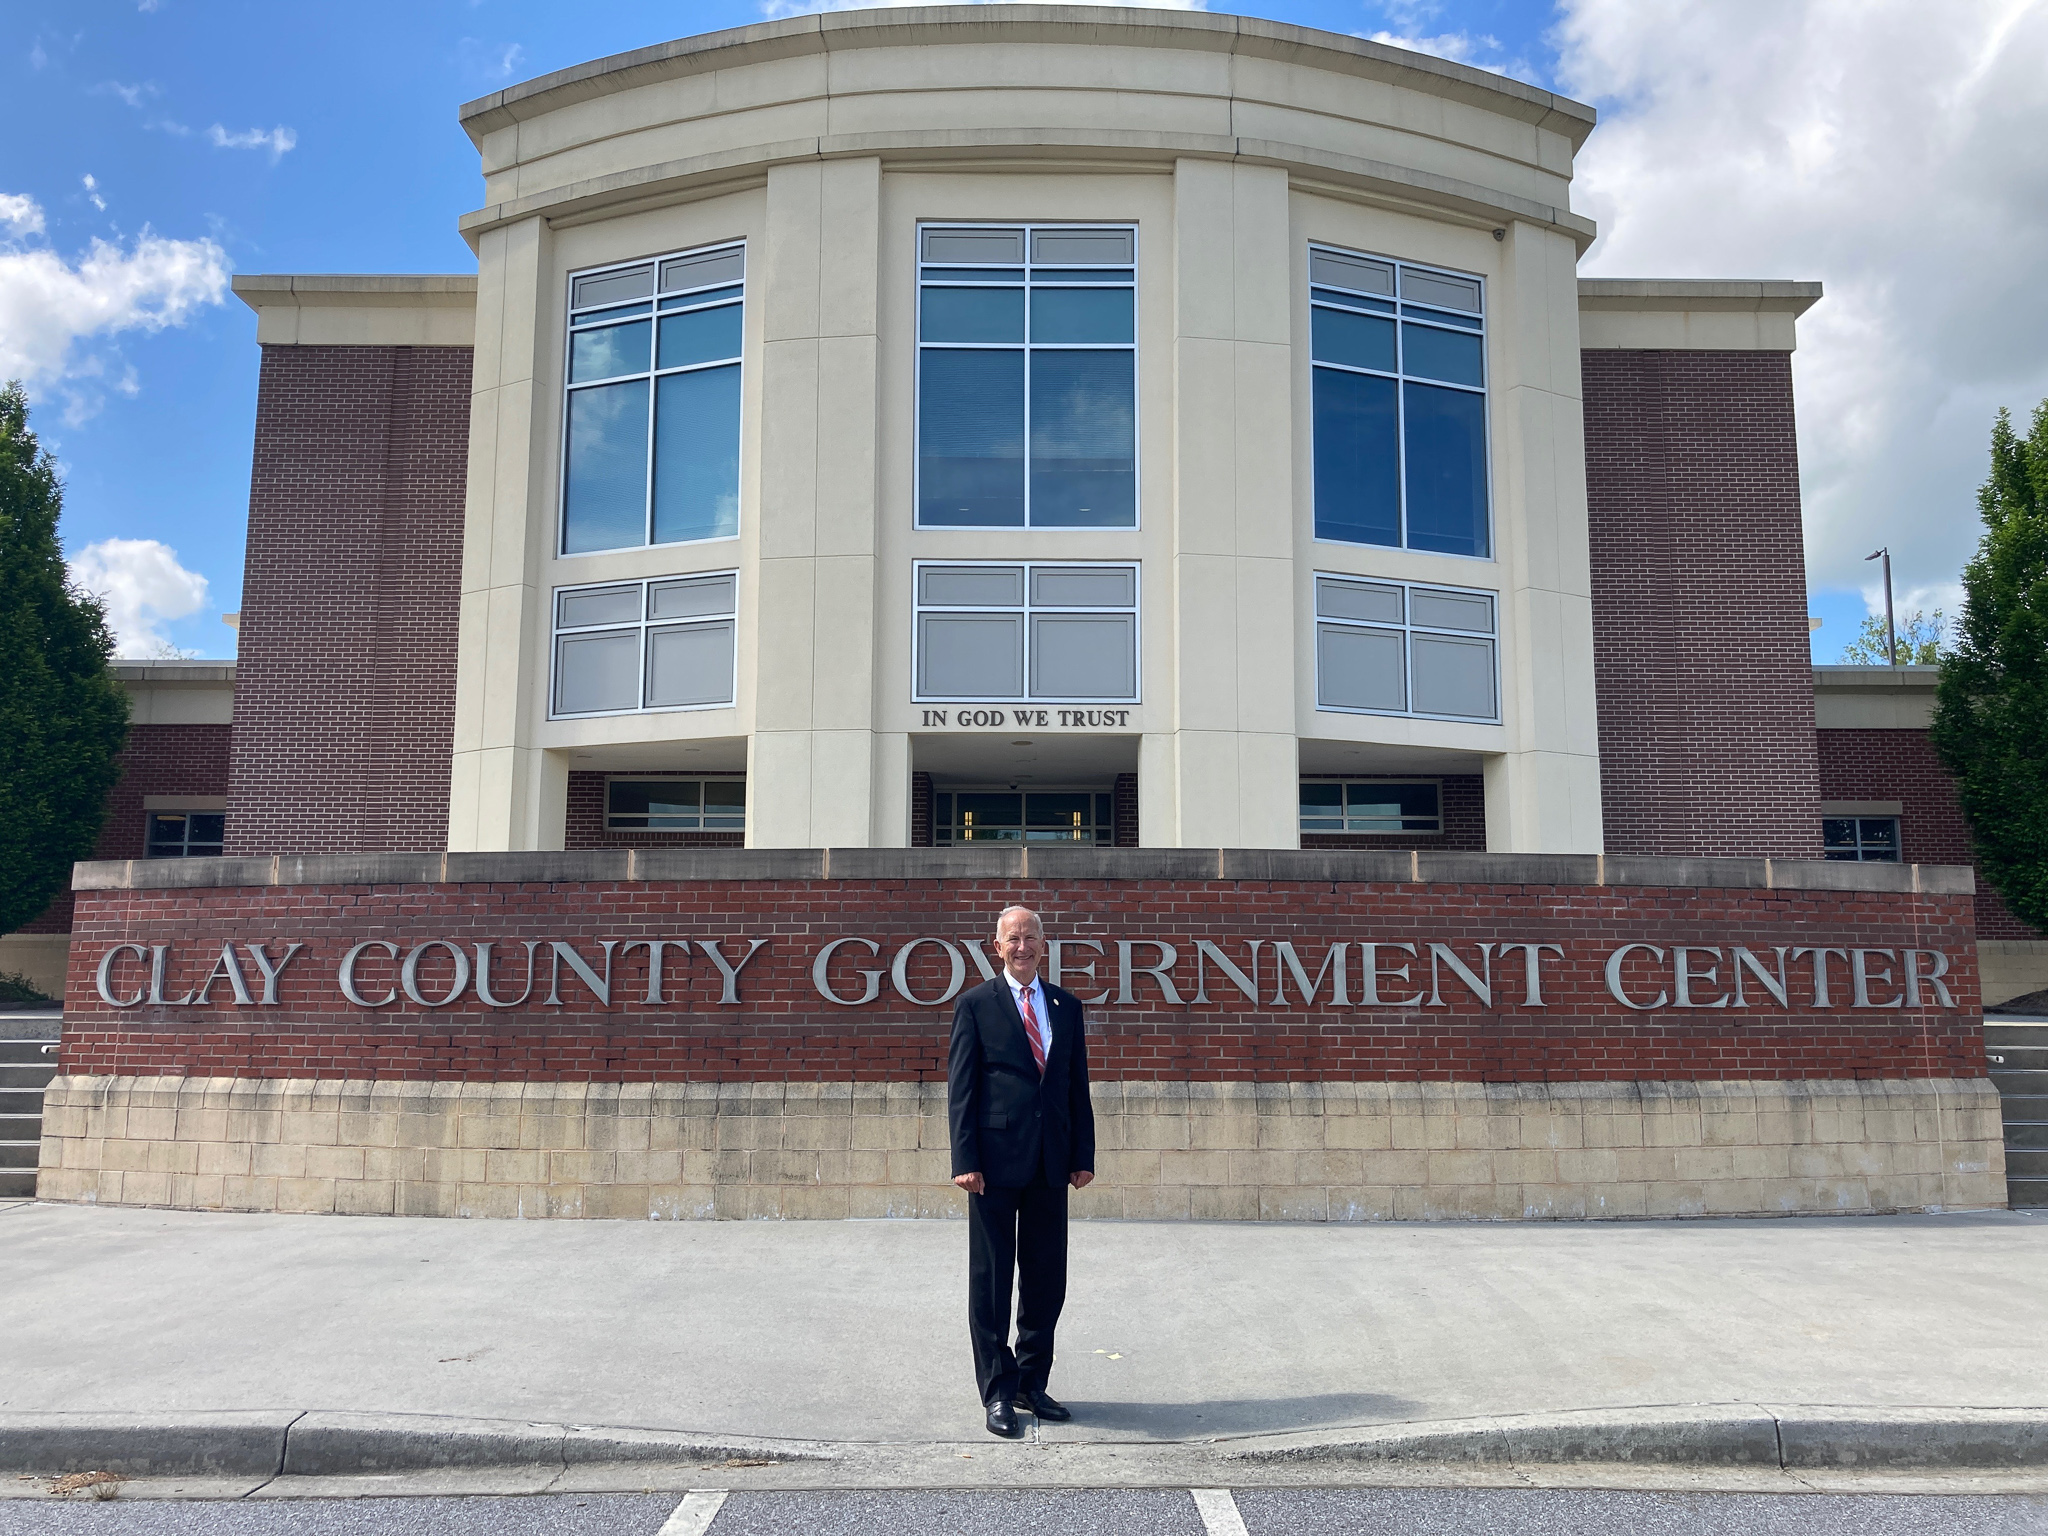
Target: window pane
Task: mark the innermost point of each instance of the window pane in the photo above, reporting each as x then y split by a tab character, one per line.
1838	833
974	247
612	287
1357	462
1084	466
973	275
1435	288
697	455
597	672
1360	668
660	805
1392	808
1076	657
703	298
971	314
1358	341
1103	247
970	439
166	835
696	599
1070	812
609	351
1369	601
725	804
971	586
1878	835
1453	677
605	502
1438	354
210	827
970	655
1359	272
598	605
1446	470
1079	275
689	666
1081	314
1084	587
700	336
703	269
1322	807
1351	300
1452	610
619	312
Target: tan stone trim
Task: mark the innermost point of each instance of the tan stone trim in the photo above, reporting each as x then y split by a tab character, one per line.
368	310
1203	1151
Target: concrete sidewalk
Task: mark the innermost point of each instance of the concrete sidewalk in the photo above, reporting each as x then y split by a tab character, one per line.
855	1331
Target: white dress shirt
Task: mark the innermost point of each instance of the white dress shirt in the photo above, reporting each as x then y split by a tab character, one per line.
1043	1019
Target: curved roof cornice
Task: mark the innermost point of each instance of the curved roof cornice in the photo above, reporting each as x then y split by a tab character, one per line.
1202	31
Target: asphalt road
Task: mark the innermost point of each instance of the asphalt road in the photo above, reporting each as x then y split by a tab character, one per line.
1091	1512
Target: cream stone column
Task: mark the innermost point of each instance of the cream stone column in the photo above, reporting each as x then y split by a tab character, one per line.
503	793
816	764
1543	795
1225	773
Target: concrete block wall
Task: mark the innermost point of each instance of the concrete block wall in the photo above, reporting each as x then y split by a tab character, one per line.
1233	1151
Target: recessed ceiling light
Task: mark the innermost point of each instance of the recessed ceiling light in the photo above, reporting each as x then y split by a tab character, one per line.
1024	743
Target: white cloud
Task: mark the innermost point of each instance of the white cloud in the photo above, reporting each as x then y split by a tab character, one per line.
143	586
134	95
52	309
1899	157
493	61
92	191
1480	50
22	214
279	140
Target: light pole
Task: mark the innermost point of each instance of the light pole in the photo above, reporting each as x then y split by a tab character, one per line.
1891	629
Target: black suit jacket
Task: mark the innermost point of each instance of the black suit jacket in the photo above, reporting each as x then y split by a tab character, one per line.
1007	1123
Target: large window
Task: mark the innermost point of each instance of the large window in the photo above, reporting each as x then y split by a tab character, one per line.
675	805
652	440
1027	377
634	645
997	632
186	834
1392	648
1400	404
1023	816
1371	806
1860	839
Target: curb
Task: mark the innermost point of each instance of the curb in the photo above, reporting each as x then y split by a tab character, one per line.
316	1443
1801	1437
313	1443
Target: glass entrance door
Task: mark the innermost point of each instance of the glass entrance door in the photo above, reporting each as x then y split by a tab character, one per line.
1023	816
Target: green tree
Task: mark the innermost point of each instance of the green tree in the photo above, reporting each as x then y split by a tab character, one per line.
63	716
1922	638
1991	709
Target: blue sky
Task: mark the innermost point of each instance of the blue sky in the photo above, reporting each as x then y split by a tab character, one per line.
189	138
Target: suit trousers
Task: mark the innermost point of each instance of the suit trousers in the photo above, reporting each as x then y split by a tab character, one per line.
1020	1233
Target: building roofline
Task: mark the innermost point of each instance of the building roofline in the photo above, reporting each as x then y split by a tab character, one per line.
161	672
346	290
1697	294
1913	679
834	31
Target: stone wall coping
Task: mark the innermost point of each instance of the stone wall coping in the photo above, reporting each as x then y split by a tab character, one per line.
160	674
829	32
617	865
379	290
1698	294
1915	679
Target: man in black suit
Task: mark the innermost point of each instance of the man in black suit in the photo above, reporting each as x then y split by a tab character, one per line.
1023	1132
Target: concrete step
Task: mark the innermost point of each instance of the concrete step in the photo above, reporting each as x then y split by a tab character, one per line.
26	1052
2016	1058
2023	1193
21	1101
20	1154
17	1184
2026	1163
2025	1109
2022	1082
1996	1034
2025	1138
23	1076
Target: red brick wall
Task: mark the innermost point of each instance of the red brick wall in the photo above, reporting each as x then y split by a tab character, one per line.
158	760
782	1029
585	826
345	685
1464	812
1901	765
1701	660
1124	810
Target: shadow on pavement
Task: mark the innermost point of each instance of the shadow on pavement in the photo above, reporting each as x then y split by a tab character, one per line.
1238	1415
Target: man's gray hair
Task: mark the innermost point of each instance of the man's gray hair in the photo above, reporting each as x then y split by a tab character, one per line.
1017	906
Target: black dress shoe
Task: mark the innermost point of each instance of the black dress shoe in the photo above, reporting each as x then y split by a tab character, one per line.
1044	1405
1002	1420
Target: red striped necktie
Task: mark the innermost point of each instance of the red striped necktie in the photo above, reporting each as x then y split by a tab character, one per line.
1031	1029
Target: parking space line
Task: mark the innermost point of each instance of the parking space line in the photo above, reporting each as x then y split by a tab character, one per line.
1219	1512
700	1507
